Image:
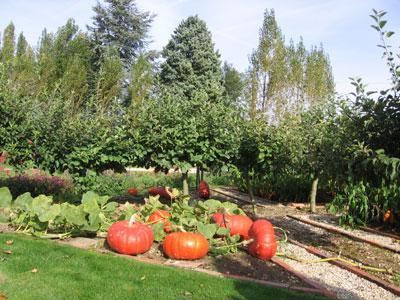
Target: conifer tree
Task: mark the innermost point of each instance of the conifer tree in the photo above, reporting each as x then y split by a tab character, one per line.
192	67
120	24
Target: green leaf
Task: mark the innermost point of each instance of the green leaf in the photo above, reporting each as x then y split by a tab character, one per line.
211	203
382	24
208	230
23	201
222	231
158	231
51	213
90	204
40	205
5	197
389	34
73	214
110	207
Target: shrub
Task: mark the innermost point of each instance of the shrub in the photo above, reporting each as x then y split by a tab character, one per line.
61	189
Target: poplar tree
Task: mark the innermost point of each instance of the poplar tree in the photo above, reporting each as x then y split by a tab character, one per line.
8	49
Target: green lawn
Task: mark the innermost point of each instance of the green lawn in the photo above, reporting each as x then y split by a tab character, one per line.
68	273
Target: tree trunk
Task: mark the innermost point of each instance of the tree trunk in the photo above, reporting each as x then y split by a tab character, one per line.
201	174
251	195
197	177
313	195
185	184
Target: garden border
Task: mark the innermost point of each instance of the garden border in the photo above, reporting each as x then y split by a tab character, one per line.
345	233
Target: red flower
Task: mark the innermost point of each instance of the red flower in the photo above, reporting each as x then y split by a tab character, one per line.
8	171
30	142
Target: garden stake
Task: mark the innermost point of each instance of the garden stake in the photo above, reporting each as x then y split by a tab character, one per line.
331	259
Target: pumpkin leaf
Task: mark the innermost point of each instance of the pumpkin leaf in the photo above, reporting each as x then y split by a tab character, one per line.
158	231
208	230
222	231
213	204
5	197
90	204
73	214
40	205
23	201
51	213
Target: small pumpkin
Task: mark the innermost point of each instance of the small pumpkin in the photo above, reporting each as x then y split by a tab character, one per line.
264	243
160	216
130	237
185	245
237	224
389	217
161	191
204	190
132	191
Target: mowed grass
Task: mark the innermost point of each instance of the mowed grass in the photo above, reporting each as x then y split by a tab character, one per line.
64	272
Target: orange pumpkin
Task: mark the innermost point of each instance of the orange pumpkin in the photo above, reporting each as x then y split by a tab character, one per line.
128	237
237	224
185	245
264	244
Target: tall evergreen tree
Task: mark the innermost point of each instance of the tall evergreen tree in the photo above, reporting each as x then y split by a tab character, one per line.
120	24
192	67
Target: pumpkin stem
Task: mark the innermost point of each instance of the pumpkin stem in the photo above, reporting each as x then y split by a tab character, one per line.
132	220
284	234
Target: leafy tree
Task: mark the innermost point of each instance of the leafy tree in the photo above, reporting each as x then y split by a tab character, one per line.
143	75
233	83
120	24
109	80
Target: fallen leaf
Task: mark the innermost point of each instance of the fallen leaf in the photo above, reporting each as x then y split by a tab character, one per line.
3	297
9	242
35	270
143	278
187	293
7	251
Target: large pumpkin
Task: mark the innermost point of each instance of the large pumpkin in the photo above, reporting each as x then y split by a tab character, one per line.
237	224
264	244
185	245
128	237
160	216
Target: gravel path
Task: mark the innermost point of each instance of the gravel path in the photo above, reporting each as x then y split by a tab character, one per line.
332	222
346	284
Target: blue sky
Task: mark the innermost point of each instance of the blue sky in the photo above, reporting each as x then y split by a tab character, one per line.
341	25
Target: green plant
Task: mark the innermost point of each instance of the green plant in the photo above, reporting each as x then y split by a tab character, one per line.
41	217
193	216
62	189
